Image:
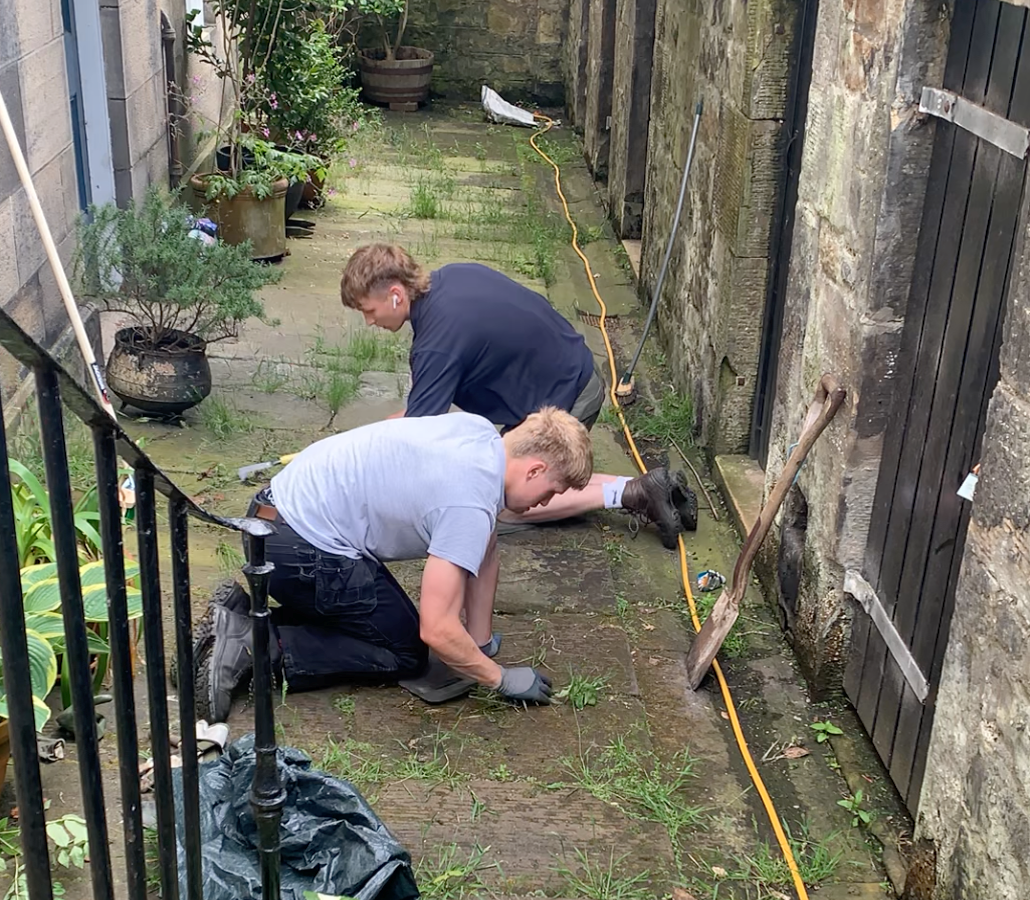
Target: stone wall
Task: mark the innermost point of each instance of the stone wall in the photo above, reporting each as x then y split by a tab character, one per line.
735	57
600	66
975	802
514	46
860	198
574	62
631	105
34	83
136	98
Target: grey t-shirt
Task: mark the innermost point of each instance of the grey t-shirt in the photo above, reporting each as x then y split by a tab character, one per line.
399	489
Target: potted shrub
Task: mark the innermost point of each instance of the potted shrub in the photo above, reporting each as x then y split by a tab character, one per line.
393	73
246	193
180	293
315	109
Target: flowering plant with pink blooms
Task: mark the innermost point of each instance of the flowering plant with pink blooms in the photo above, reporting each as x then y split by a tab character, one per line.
250	153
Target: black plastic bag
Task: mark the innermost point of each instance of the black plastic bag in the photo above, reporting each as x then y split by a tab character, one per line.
332	841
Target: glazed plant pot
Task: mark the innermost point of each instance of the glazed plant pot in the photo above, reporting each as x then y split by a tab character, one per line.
262	221
402	82
165	380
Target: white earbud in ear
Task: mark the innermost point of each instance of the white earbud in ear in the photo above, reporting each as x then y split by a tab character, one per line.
395	301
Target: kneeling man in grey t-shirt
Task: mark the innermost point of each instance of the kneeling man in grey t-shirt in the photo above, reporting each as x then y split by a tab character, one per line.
395	490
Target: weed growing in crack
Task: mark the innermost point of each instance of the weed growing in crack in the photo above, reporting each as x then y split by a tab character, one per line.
450	875
609	416
344	704
670	418
817	861
224	419
425	202
581	690
271	376
230	559
603	881
640	784
616	550
736	642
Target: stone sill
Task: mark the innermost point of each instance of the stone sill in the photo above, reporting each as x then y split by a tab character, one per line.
632	249
742	482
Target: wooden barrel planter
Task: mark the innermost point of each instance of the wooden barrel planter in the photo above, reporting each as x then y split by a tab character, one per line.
401	83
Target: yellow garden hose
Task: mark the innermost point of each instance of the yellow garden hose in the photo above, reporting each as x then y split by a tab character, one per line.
731	709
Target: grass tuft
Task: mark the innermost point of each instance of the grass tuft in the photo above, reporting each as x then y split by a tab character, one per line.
600	881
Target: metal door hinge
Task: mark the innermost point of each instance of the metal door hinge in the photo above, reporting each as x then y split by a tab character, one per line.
1003	133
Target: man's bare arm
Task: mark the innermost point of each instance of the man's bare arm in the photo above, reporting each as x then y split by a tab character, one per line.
440	605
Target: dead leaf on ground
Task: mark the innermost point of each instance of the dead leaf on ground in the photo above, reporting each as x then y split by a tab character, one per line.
795	752
648	626
654	660
719	872
725	715
680	894
778	895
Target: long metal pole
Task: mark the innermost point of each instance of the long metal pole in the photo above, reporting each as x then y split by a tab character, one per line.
625	380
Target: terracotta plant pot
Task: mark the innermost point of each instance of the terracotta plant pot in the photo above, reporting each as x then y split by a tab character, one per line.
165	380
403	82
247	218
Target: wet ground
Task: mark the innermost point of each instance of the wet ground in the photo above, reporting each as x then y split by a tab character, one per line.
632	786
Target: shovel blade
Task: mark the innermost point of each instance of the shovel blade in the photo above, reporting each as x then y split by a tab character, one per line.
709	639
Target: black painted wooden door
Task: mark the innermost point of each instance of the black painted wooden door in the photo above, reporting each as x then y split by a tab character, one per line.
947	369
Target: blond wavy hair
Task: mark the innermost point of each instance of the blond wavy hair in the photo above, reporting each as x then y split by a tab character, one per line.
560	440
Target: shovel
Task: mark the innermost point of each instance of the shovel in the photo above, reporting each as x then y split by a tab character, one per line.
247	471
708	642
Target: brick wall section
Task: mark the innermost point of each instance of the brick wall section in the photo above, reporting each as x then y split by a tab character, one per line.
860	199
737	58
514	46
975	802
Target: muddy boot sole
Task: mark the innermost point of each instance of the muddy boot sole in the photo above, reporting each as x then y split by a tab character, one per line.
685	501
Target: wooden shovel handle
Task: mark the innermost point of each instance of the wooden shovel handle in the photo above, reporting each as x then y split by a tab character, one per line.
828	398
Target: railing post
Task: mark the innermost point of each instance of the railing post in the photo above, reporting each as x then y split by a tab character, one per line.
18	685
120	640
76	648
153	640
267	796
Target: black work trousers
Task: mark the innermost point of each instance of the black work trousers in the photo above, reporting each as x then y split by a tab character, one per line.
339	619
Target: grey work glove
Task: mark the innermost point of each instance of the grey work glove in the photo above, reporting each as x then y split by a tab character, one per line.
525	683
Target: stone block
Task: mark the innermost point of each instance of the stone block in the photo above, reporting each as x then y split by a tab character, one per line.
111	40
1003	491
550	27
9	280
10	87
26	308
145	118
141	45
770	58
35	25
46	107
60	215
10	49
730	168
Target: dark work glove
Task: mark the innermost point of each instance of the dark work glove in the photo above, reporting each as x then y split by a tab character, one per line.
525	684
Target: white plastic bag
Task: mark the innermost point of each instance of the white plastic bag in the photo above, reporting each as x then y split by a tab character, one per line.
500	110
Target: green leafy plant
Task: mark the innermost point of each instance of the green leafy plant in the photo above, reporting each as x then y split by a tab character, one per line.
581	690
141	261
391	19
69	836
853	805
33	527
824	730
249	34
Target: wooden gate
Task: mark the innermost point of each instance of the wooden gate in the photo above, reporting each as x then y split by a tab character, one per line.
947	369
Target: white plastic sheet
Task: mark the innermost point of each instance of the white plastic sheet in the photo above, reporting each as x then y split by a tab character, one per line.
500	110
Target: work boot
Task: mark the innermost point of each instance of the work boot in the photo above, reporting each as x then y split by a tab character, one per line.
227	663
650	499
685	501
228	594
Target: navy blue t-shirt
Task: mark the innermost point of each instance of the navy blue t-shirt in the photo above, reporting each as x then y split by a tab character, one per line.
491	347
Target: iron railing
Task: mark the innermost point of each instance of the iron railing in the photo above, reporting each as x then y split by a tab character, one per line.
57	390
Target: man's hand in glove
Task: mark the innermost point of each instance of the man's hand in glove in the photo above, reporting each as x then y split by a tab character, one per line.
525	684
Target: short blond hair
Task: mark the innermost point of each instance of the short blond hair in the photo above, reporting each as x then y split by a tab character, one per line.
374	267
560	440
